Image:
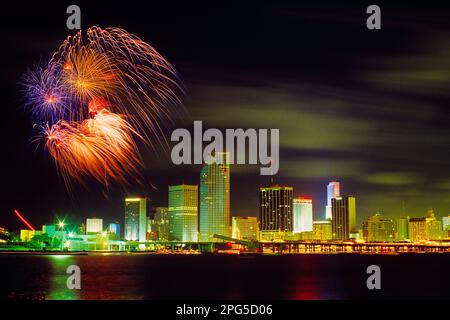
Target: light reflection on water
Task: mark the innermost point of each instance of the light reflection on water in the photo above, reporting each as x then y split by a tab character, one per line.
58	278
145	276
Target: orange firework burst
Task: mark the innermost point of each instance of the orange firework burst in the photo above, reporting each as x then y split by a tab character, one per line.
117	89
89	74
121	68
101	147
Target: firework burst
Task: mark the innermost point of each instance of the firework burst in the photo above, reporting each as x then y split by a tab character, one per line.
99	93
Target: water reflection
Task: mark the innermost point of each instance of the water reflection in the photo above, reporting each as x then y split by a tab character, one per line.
58	278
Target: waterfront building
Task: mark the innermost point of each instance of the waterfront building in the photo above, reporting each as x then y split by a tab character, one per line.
425	228
114	228
417	229
402	229
215	197
183	212
245	228
433	226
322	230
135	219
94	225
162	223
49	229
333	191
343	216
276	212
446	223
378	229
302	215
27	235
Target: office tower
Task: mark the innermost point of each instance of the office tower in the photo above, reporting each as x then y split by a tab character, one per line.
425	228
215	197
94	225
343	216
114	228
276	212
379	229
162	223
433	226
245	228
135	219
322	230
302	215
417	229
333	191
446	223
183	212
402	229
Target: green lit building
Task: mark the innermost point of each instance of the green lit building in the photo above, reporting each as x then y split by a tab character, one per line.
215	197
162	223
402	229
135	219
183	213
378	229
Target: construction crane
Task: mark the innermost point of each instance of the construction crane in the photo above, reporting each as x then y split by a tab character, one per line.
23	220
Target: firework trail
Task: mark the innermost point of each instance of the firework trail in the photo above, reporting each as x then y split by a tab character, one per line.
98	94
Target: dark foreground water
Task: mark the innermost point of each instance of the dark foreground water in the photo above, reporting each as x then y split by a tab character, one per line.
308	276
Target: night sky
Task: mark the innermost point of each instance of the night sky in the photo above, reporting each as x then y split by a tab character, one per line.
368	108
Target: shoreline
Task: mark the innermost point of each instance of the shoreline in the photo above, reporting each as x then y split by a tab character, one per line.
244	254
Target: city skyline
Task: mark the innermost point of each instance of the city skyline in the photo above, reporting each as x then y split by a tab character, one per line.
343	116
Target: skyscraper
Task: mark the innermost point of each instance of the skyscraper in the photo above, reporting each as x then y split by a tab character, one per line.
183	212
333	191
94	225
162	223
379	229
245	228
215	197
426	228
135	219
402	228
276	212
343	216
302	215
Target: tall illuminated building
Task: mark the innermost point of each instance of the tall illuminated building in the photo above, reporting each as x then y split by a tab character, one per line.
245	228
162	223
379	229
135	219
343	216
276	212
215	197
402	228
333	191
425	228
302	215
183	212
